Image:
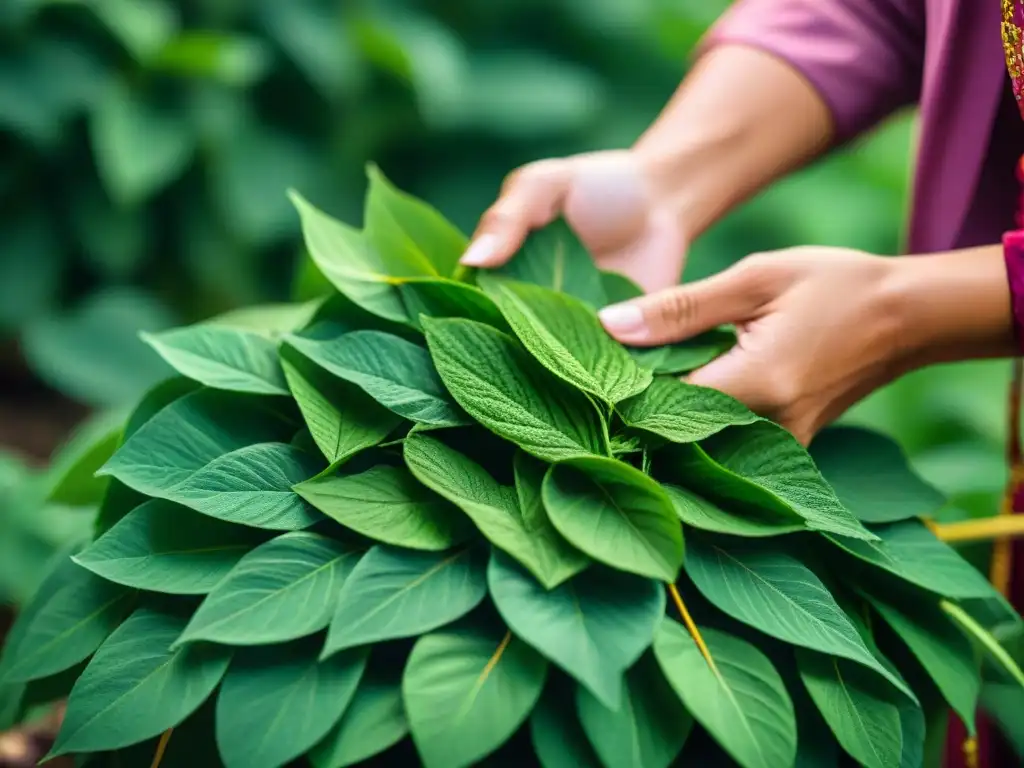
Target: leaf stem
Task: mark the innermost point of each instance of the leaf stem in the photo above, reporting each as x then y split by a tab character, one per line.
998	528
161	747
691	627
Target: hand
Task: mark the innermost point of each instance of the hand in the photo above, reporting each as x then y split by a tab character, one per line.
609	200
818	329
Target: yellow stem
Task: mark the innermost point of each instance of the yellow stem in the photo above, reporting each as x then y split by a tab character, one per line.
691	627
999	528
161	747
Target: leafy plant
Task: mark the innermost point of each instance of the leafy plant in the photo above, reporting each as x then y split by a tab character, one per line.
440	516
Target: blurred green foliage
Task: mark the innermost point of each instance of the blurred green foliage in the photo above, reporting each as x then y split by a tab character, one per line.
145	148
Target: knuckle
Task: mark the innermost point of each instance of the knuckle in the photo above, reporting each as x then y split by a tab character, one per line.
498	216
675	308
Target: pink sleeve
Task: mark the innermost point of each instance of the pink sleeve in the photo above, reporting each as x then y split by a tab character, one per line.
865	57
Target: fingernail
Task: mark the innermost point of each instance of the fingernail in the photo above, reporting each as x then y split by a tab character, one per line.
480	251
622	318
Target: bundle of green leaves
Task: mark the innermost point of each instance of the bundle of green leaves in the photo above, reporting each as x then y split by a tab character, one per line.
442	517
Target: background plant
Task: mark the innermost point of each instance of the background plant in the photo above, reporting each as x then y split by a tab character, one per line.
449	506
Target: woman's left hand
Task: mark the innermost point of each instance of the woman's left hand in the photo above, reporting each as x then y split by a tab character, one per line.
818	329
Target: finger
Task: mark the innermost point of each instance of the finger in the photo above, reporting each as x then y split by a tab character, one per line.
530	198
732	296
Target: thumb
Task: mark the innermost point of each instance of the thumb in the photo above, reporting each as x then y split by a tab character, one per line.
732	296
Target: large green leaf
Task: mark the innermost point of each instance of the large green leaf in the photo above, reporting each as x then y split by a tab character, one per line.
685	356
393	593
594	626
341	417
276	702
871	476
163	547
282	590
617	515
775	593
941	648
136	687
499	385
71	477
466	691
372	722
708	516
222	358
522	530
648	730
439	297
387	504
565	335
681	412
861	710
76	613
739	699
410	229
762	465
396	373
556	733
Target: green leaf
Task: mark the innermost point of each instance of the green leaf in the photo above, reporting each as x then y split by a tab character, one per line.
915	733
557	735
701	513
500	386
741	700
593	626
71	475
372	722
647	731
553	257
859	708
761	465
447	298
282	590
617	515
681	412
386	504
686	356
619	288
341	417
269	320
222	358
778	595
394	593
139	146
467	691
136	687
871	476
410	229
941	648
76	617
276	702
985	640
348	261
565	335
396	373
909	550
163	547
518	526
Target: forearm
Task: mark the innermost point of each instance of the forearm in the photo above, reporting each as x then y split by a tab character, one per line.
741	119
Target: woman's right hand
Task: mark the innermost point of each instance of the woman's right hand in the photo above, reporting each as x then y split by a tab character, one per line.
609	200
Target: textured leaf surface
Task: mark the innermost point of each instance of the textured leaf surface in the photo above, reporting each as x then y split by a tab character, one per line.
762	465
706	515
518	526
568	339
861	710
681	412
282	590
136	687
396	373
499	385
778	595
277	702
647	731
557	735
386	503
617	515
164	547
593	626
372	722
685	356
467	691
341	417
871	476
393	593
741	701
222	358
